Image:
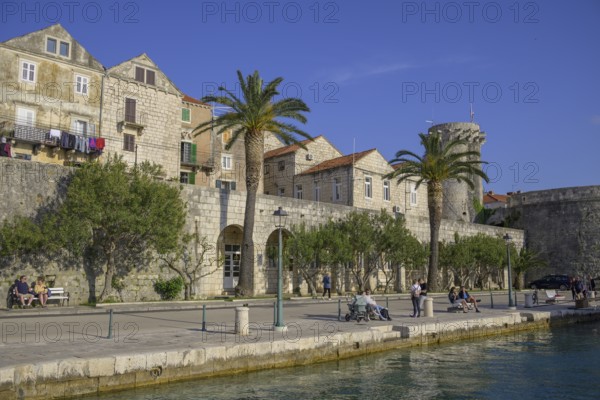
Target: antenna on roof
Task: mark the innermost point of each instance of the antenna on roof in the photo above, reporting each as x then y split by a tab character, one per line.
472	113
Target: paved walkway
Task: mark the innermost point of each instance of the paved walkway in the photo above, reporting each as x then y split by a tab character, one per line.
35	335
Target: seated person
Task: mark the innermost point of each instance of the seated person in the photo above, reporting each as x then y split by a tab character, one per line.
41	290
374	306
463	294
454	299
24	292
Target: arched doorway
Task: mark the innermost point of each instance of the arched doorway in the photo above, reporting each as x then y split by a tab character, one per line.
230	251
272	264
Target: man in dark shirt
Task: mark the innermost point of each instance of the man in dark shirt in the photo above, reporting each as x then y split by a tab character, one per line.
463	294
23	291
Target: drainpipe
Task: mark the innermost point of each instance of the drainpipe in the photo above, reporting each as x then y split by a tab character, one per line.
101	102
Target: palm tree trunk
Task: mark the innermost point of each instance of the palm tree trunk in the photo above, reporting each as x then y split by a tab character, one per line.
435	202
254	146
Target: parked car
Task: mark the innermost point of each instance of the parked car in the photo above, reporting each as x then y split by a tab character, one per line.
551	282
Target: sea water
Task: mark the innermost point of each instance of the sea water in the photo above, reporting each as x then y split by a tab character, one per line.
563	363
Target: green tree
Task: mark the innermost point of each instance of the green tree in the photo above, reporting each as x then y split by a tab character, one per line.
193	259
441	161
525	260
305	246
250	118
119	215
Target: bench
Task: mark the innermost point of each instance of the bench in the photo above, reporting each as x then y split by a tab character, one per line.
57	293
458	306
551	296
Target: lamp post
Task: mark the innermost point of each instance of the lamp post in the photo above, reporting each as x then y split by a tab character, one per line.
511	303
280	213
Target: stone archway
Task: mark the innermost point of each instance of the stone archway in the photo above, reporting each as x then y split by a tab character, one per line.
229	247
271	263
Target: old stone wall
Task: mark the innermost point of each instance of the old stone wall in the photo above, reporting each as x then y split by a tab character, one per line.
217	215
563	225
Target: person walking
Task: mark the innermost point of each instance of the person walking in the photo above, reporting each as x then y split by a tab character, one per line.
423	295
326	285
415	292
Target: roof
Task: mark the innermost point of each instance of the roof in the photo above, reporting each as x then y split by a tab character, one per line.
491	197
190	99
292	148
338	162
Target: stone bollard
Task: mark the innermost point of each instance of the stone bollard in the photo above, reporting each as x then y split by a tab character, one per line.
528	300
242	327
428	307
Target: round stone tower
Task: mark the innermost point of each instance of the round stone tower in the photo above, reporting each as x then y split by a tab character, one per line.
458	196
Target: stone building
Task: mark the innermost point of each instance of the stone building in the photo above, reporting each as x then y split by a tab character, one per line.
141	115
51	90
458	197
195	151
283	164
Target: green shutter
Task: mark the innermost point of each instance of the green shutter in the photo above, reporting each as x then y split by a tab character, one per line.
192	178
193	154
185	114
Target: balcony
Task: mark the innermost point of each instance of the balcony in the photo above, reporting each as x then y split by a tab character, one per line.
131	121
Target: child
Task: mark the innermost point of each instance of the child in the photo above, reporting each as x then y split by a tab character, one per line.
41	290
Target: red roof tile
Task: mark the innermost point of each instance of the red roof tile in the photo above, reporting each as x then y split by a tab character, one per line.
337	162
189	99
287	149
493	198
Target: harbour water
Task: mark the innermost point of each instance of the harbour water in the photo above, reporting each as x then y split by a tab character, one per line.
563	363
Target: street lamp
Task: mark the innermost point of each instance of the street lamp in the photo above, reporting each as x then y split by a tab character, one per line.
511	303
281	217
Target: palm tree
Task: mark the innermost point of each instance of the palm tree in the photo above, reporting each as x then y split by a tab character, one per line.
250	117
526	260
440	162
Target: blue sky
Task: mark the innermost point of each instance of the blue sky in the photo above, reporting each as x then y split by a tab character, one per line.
373	73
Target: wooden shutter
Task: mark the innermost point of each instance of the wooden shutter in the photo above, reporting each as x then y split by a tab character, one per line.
232	185
150	77
218	184
192	178
129	110
193	154
139	74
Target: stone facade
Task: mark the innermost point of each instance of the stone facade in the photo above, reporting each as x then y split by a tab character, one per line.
563	225
49	81
283	164
218	215
142	115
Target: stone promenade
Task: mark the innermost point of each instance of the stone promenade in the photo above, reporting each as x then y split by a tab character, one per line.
67	352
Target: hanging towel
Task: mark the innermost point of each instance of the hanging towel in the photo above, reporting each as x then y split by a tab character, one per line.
100	143
54	134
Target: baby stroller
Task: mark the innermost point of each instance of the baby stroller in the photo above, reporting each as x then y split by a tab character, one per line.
357	310
12	299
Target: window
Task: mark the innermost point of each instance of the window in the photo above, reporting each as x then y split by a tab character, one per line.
267	169
129	142
28	71
281	165
64	49
25	116
299	192
413	194
51	45
337	189
226	161
80	127
317	193
145	75
368	187
81	84
386	190
225	185
187	177
185	115
280	192
188	153
130	110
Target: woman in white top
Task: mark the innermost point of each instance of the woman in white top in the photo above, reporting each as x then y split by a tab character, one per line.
415	292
